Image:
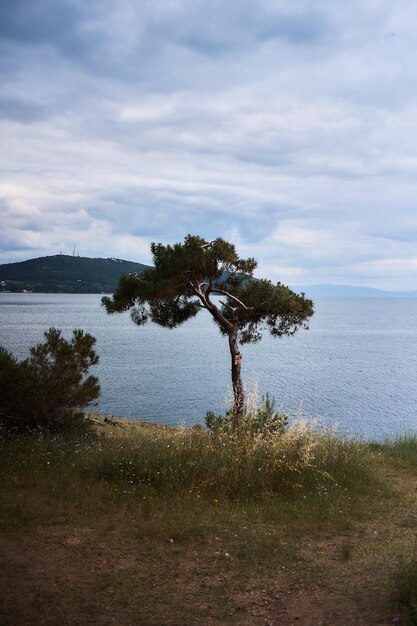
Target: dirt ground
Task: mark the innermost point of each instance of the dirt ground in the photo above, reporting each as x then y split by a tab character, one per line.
111	575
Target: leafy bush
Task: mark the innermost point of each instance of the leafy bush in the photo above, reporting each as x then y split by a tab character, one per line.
260	420
47	390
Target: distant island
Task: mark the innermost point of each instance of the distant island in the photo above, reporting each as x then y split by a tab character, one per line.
350	291
62	273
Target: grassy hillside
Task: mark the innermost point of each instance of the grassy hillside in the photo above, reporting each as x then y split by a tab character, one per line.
65	274
150	525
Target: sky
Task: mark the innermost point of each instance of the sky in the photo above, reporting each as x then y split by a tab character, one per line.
287	127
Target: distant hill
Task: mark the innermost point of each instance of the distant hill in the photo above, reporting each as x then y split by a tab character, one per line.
350	291
66	274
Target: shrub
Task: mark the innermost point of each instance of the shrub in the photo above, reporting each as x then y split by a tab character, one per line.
47	390
260	420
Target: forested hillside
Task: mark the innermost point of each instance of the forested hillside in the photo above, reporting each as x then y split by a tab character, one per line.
62	273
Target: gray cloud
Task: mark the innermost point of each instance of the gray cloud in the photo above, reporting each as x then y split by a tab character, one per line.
37	21
218	29
18	110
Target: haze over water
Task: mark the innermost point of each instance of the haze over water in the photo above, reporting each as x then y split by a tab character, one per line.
355	367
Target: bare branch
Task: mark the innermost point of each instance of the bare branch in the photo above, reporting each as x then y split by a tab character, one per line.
209	305
198	292
226	293
232	308
232	297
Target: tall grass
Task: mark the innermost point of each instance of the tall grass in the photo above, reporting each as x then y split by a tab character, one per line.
402	448
228	466
185	480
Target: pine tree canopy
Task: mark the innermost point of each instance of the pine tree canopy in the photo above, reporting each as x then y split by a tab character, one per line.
186	275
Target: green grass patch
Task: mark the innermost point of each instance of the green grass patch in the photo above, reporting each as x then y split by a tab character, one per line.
174	480
402	448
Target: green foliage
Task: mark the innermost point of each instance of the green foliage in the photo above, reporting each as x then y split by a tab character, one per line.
268	421
186	275
274	308
261	420
47	390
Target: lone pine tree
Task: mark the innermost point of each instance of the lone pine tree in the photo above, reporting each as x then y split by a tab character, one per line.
183	281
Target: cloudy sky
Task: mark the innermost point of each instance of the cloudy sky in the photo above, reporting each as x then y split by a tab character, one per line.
286	126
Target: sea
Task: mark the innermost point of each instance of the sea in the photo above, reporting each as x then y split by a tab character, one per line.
354	370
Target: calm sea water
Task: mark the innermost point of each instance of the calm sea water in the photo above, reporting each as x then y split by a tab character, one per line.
356	367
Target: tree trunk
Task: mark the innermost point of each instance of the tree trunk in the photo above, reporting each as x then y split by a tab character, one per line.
238	393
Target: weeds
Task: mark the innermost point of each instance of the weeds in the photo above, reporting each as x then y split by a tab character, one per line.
192	471
259	418
231	466
402	448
